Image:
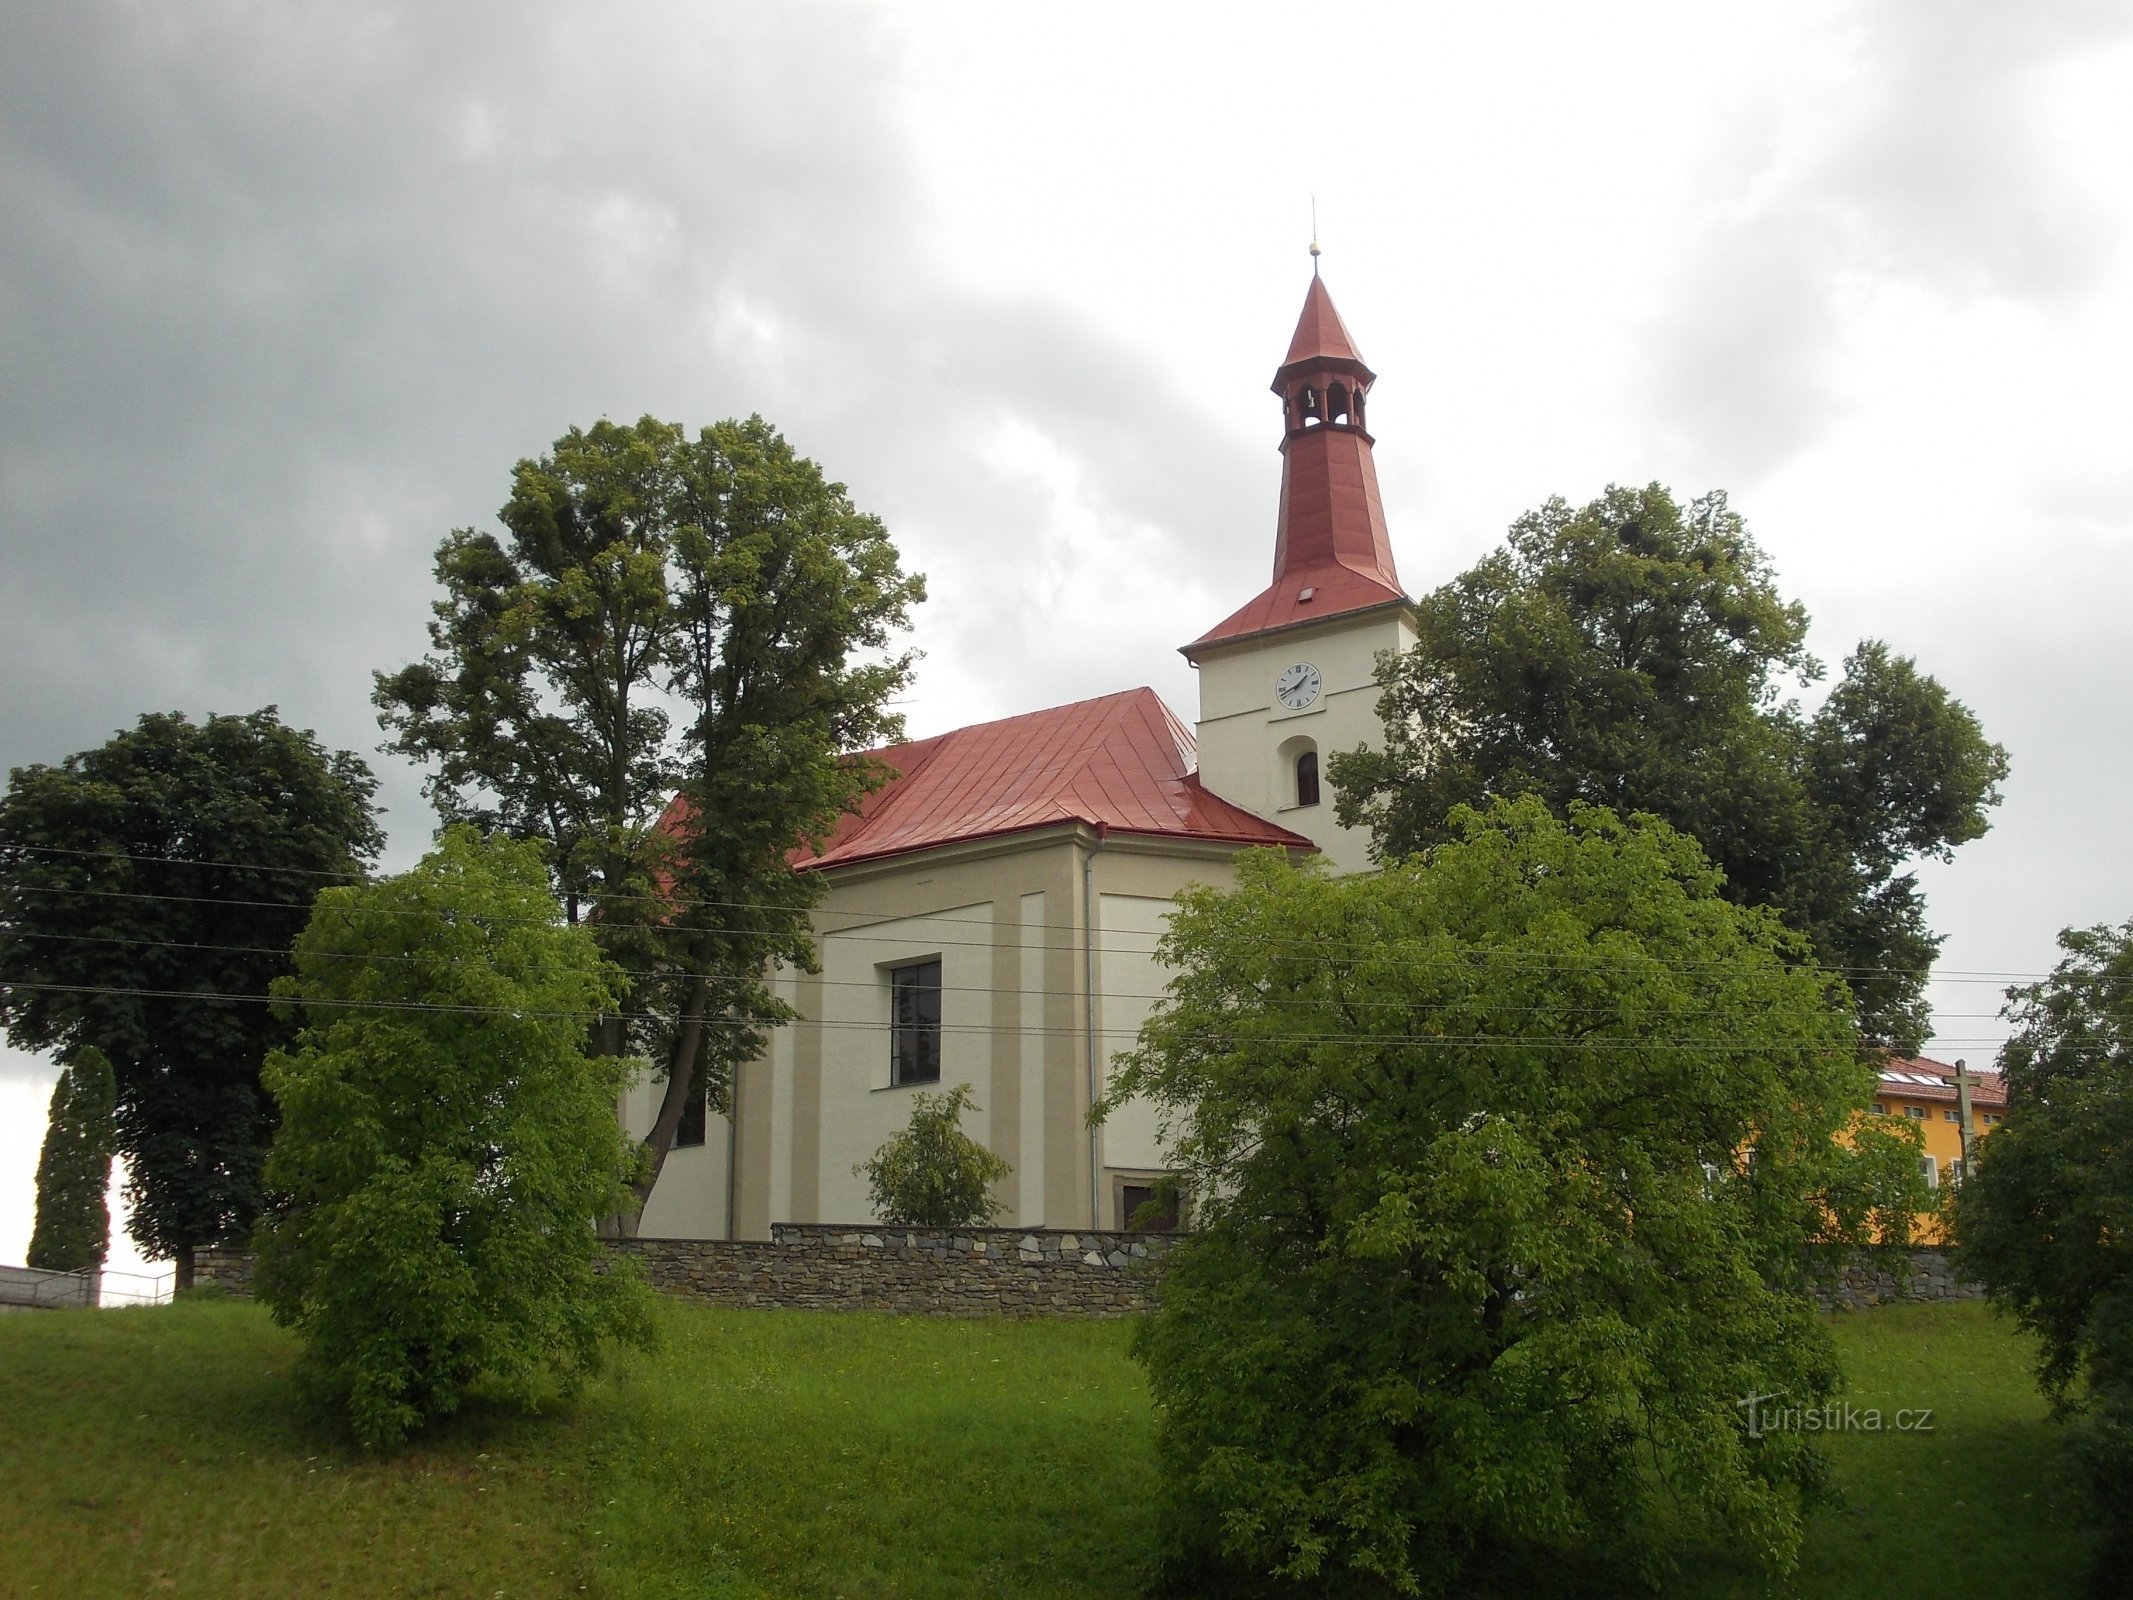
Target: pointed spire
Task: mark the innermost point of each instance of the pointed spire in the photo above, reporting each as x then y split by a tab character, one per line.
1331	551
1320	334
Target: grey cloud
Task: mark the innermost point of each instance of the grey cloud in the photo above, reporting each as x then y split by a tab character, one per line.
287	291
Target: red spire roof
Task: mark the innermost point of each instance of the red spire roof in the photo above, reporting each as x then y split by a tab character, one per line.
1320	333
1123	763
1332	554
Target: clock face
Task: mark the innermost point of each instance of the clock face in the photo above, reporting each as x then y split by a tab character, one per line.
1298	686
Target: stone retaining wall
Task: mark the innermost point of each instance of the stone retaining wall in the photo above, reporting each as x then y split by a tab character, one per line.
1869	1278
955	1272
229	1270
1033	1272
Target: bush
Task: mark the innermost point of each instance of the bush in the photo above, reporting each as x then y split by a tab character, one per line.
1504	1163
933	1174
446	1144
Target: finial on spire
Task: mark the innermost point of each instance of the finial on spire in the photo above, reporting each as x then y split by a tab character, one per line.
1314	236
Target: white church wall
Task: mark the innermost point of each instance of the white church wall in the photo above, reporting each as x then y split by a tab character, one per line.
860	1108
1131	981
689	1201
1031	940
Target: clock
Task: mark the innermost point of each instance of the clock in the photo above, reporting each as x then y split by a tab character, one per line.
1297	686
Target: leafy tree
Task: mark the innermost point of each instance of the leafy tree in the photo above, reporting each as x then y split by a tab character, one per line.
149	892
1504	1162
446	1143
933	1174
73	1230
1629	654
2043	1216
664	616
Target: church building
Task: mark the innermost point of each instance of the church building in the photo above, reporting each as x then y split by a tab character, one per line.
992	912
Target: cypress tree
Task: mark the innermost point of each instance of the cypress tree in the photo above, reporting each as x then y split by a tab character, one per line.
73	1231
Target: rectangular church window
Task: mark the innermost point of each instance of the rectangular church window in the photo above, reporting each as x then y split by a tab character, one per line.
915	1023
695	1116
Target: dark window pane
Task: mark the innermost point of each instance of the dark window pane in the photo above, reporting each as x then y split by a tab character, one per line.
915	1023
1132	1197
693	1116
1307	778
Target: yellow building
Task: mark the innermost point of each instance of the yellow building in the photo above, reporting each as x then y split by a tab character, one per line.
1925	1092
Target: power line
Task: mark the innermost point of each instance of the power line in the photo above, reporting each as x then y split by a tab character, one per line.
1469	952
1952	975
1423	1041
348	956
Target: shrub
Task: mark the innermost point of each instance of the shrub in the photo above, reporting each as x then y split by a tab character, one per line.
933	1174
446	1144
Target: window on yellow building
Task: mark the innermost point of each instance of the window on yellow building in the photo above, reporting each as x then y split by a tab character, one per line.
1951	1116
1878	1109
1929	1169
1915	1113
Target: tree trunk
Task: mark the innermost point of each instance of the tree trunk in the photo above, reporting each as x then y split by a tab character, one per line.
182	1264
681	1075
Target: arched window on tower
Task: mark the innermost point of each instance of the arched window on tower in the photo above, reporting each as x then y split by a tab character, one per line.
1307	778
1337	403
1311	414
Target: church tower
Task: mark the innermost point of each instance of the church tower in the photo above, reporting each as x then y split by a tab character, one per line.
1289	678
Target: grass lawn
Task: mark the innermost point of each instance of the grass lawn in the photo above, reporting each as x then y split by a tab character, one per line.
791	1454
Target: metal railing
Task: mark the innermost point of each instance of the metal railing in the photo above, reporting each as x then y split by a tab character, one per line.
33	1287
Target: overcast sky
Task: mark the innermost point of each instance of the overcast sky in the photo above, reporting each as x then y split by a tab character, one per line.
285	289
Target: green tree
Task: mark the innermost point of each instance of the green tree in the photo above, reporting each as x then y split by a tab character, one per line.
1630	654
73	1230
933	1174
2046	1210
666	616
1505	1160
149	892
446	1143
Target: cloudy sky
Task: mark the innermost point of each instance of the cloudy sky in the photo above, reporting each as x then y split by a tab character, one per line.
285	289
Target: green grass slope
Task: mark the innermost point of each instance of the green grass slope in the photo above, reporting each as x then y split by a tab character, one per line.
800	1454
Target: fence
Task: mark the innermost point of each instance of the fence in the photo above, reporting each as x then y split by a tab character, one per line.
34	1289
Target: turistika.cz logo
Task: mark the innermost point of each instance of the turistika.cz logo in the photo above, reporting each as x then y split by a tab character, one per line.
1832	1416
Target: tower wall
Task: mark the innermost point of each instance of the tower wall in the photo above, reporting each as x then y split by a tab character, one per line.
1249	741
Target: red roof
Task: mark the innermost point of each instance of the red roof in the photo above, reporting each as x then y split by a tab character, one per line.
1122	762
1906	1078
1320	333
1332	554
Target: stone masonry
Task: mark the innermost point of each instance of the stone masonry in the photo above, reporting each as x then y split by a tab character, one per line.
1033	1272
1870	1278
955	1272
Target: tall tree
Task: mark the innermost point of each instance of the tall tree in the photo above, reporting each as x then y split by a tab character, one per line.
1505	1160
696	631
1632	654
73	1229
149	892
